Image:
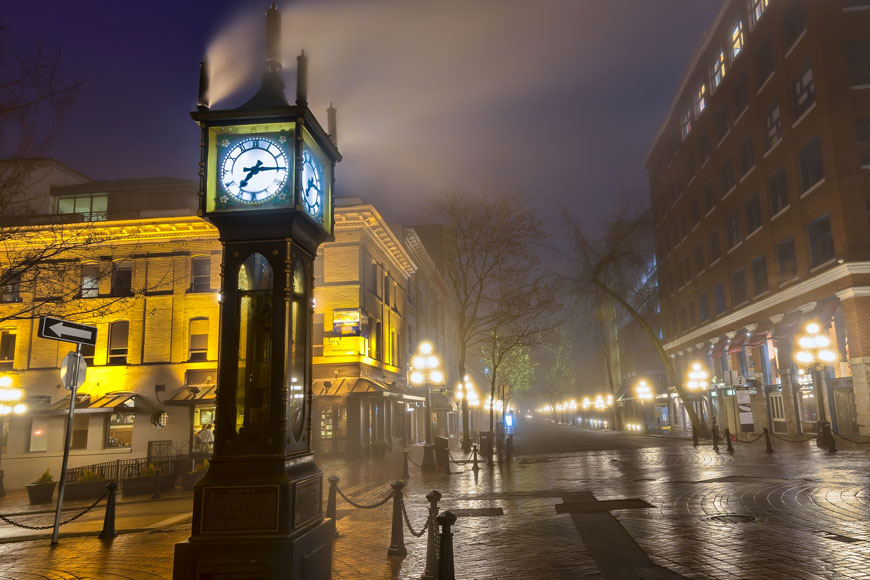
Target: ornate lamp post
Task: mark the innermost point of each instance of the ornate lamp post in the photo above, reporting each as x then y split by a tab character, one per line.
644	393
426	371
698	382
467	395
815	355
10	404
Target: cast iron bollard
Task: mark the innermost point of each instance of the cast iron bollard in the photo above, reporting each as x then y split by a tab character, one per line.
694	437
475	467
509	448
729	446
445	553
330	502
108	532
405	473
431	569
715	433
767	441
397	541
829	435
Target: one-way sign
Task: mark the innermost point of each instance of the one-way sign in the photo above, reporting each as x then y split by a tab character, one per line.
57	329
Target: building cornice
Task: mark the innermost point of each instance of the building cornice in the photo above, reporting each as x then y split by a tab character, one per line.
368	218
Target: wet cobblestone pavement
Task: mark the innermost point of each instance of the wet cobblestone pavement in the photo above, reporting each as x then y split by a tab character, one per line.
798	513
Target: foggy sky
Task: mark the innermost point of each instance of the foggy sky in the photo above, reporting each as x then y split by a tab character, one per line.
559	98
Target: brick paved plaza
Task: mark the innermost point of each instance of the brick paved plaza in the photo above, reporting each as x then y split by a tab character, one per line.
797	513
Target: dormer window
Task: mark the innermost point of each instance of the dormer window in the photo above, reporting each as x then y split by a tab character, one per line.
91	208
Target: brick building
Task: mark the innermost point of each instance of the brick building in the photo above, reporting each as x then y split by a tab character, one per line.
760	189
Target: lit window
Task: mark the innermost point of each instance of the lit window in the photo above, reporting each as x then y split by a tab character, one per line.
758	8
7	349
198	343
90	280
719	69
119	430
91	208
736	39
686	124
701	100
804	92
200	274
38	435
773	126
119	333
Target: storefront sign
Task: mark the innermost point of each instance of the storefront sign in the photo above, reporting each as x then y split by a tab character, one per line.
744	411
346	322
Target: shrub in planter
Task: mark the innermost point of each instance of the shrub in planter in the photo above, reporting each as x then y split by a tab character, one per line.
41	490
189	479
145	482
89	485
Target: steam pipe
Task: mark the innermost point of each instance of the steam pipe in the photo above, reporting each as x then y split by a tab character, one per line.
202	100
273	39
302	79
330	125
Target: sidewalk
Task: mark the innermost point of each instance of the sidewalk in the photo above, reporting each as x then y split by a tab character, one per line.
797	513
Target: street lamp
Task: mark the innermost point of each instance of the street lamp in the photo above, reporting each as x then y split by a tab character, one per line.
10	404
644	393
467	396
426	371
699	382
815	355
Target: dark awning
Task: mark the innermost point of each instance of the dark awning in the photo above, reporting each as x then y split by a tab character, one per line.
823	312
120	402
737	342
190	395
759	335
788	325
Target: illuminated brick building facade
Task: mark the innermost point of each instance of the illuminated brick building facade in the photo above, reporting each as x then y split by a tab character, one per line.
760	188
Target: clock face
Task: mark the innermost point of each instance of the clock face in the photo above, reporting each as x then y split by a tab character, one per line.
254	170
312	183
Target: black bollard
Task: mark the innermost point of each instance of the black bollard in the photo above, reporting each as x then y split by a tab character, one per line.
397	539
509	447
431	569
405	473
108	532
767	441
475	467
832	448
445	551
715	432
728	444
694	437
330	502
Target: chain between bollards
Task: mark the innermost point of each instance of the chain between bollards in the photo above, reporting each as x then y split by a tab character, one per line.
430	571
445	551
397	538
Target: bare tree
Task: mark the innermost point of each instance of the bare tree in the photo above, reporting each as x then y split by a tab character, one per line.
619	267
493	245
560	378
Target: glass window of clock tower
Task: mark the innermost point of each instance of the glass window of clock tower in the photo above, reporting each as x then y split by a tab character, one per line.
255	344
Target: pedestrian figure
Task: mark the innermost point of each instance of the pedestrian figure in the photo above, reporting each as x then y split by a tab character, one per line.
205	438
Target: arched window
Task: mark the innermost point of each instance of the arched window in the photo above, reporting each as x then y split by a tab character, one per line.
255	344
297	360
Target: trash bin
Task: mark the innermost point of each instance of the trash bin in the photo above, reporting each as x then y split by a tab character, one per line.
485	443
442	454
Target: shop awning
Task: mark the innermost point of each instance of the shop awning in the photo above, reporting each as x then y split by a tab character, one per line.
737	342
346	386
823	312
190	395
441	402
788	325
120	402
759	335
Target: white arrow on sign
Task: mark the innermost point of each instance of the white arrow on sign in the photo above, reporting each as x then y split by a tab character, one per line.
61	330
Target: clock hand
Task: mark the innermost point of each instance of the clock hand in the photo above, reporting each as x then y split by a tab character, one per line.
252	171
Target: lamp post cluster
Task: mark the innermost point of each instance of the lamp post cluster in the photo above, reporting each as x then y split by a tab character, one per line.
10	404
426	372
815	355
596	405
643	393
698	382
466	394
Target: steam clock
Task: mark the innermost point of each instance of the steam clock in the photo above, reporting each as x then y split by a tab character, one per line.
266	184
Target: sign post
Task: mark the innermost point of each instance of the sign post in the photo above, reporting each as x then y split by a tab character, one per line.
73	370
744	411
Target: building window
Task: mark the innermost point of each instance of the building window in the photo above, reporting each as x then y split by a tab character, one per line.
741	97
732	229
736	39
10	286
793	22
198	340
686	124
858	54
863	129
88	351
772	127
757	8
764	61
699	258
91	208
759	275
705	306
38	435
119	334
727	177
804	92
718	70
7	349
787	258
753	214
821	240
738	286
747	156
200	274
723	122
90	280
122	279
778	192
719	296
79	432
812	167
701	99
119	430
715	249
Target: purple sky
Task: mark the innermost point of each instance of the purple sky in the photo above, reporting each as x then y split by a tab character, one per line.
559	98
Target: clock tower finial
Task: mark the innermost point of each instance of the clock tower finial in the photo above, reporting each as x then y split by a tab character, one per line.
273	38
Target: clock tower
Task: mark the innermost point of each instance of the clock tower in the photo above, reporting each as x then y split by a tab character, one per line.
266	178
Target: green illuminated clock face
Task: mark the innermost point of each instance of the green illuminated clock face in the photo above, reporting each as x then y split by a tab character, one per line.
312	183
254	169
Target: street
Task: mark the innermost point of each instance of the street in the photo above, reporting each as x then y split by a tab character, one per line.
616	506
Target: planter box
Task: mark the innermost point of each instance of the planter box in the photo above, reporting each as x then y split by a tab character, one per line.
85	489
40	492
188	480
143	485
